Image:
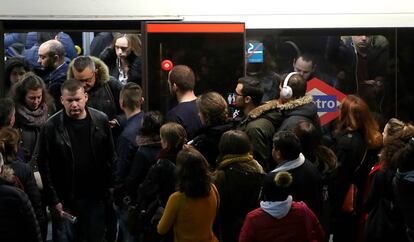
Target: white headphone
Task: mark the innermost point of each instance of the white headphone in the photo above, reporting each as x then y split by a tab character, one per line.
286	91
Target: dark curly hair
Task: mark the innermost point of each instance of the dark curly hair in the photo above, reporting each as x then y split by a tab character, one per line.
29	82
397	135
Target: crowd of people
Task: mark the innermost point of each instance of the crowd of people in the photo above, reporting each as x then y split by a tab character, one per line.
78	150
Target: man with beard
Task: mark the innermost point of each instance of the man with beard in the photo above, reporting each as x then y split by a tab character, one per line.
52	60
260	122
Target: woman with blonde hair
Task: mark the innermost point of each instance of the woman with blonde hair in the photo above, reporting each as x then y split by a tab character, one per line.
123	58
358	141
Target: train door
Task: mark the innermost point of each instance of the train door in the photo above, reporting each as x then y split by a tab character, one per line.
215	51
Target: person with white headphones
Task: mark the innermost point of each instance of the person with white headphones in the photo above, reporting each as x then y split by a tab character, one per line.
295	105
286	91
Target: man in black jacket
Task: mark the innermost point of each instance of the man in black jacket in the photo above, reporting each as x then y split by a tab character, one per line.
103	94
307	181
75	161
103	90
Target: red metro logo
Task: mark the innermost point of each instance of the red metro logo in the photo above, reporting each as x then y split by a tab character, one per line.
326	98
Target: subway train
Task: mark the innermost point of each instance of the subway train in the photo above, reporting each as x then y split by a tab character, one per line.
224	40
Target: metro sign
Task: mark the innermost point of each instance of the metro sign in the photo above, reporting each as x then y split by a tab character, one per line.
326	98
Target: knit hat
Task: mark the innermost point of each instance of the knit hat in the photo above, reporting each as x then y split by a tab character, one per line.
277	186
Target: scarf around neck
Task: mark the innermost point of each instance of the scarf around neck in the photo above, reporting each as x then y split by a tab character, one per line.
223	161
289	165
32	118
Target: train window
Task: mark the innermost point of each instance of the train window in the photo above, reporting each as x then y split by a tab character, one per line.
353	61
213	51
220	58
26	45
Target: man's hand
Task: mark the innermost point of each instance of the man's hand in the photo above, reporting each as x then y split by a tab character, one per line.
373	82
57	210
113	123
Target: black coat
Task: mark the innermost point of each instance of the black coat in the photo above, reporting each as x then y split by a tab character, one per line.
403	188
298	110
17	219
238	181
381	188
56	158
134	73
207	140
30	138
307	186
160	180
145	157
26	177
349	149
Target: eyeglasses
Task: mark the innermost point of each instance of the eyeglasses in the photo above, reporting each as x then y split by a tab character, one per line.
87	79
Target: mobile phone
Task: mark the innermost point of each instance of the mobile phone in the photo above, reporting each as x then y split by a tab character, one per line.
68	216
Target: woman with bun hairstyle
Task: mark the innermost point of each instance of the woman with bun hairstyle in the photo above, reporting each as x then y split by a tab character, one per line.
279	218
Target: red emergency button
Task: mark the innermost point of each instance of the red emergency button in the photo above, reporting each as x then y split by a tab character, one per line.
166	65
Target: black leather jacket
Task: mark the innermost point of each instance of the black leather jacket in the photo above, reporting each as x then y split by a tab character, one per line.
56	158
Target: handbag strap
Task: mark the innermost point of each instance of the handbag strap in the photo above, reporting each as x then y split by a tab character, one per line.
362	161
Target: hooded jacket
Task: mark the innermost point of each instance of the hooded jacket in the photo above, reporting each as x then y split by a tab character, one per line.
260	124
260	225
298	110
17	219
104	95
